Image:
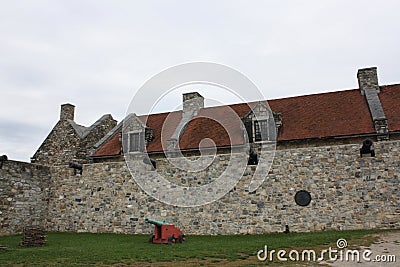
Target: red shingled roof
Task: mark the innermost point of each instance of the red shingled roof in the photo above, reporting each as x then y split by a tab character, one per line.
341	113
390	99
111	147
156	122
220	124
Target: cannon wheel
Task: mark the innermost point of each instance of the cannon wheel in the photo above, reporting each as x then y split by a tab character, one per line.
151	239
181	238
171	240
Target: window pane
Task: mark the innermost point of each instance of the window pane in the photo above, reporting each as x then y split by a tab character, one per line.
260	130
125	145
257	132
132	142
141	142
264	130
136	142
249	130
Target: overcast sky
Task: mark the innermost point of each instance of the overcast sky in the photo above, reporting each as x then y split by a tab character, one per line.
96	54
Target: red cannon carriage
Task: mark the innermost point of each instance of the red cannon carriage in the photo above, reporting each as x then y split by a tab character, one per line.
165	233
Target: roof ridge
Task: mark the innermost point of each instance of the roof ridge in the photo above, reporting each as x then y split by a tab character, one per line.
267	100
79	129
314	94
83	131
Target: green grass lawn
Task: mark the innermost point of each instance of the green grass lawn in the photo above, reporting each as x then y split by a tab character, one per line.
85	249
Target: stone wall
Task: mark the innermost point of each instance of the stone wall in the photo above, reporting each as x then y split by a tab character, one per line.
59	147
348	192
23	195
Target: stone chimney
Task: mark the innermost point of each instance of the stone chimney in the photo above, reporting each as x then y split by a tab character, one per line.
67	112
368	84
368	80
192	103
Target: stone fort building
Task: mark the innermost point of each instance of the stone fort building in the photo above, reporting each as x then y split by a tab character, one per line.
318	153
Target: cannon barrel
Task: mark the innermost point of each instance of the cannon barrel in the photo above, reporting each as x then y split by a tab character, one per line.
367	148
155	222
2	159
149	161
367	143
253	158
75	165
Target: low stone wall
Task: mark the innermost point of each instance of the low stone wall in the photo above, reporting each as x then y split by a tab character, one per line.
348	192
23	196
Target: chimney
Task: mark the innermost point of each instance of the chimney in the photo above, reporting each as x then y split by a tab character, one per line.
67	112
368	80
369	87
192	103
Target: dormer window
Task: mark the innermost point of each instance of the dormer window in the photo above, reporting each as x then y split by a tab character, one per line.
260	123
136	142
257	130
135	135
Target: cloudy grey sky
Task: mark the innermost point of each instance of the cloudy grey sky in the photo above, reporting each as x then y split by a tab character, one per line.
96	54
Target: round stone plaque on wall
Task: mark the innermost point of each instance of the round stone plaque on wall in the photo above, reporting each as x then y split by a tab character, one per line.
302	198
